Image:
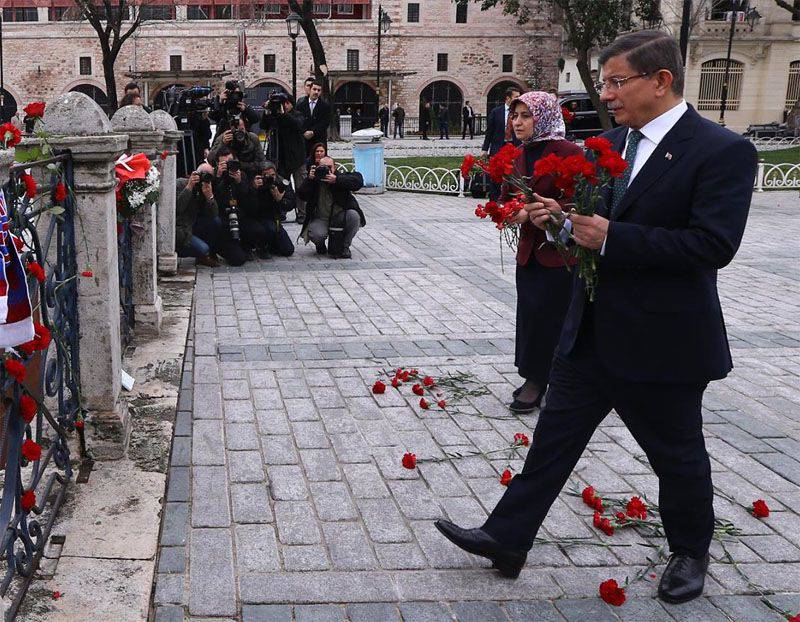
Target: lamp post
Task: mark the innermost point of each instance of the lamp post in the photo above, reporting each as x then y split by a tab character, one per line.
751	15
293	26
2	83
384	21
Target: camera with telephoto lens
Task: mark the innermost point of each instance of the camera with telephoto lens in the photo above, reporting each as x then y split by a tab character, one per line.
235	94
238	135
268	182
234	166
232	217
275	103
321	172
205	178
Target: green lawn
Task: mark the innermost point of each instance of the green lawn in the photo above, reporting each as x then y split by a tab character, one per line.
780	156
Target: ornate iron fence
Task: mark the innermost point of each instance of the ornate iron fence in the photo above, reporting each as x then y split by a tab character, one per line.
35	483
784	176
125	266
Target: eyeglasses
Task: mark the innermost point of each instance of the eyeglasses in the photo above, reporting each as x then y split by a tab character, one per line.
615	84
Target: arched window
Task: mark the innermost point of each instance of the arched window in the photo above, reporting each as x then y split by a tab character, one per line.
498	93
360	98
8	107
712	77
793	89
444	93
256	95
96	93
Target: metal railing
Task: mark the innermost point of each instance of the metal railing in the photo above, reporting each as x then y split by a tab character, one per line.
784	176
46	230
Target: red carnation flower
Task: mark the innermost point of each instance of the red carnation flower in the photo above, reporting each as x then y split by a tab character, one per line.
31	450
28	500
621	518
87	273
597	504
396	382
612	593
794	618
36	271
79	424
588	496
636	508
30	185
598	144
567	114
35	109
405	376
423	403
612	162
60	192
760	509
547	165
27	408
15	369
418	390
521	439
57	595
603	524
378	387
441	403
409	460
505	478
9	135
467	164
480	212
164	154
428	381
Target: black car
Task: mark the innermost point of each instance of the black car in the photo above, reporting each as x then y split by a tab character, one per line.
585	122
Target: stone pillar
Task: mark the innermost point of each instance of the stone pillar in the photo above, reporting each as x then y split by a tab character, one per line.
144	138
165	216
77	123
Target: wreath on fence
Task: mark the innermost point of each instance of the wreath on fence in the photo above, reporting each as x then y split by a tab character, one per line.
138	184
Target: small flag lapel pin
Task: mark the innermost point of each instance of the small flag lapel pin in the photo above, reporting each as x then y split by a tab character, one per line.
668	155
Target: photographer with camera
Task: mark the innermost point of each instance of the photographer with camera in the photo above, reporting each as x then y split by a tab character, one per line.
332	211
271	196
286	146
197	223
244	145
229	104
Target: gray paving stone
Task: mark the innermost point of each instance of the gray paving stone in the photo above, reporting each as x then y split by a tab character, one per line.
540	611
287	483
178	487
580	609
272	422
207	401
250	503
332	501
169	589
266	613
183	424
175	524
172	559
239	411
279	449
320	465
403	556
267	399
296	522
745	608
245	466
638	609
478	612
169	614
210	497
301	409
208	444
372	612
305	557
383	521
239	436
425	612
212	584
317	587
319	613
348	546
309	434
773	548
365	481
256	548
181	451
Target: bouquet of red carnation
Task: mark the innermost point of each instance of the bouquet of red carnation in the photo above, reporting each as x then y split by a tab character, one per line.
581	181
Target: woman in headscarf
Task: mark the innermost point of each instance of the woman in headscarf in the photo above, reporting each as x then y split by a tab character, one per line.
544	286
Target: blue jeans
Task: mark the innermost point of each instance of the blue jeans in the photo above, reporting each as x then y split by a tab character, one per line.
195	247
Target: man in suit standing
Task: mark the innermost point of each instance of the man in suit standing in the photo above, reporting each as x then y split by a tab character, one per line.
307	88
499	132
468	121
654	337
444	122
383	115
317	117
399	115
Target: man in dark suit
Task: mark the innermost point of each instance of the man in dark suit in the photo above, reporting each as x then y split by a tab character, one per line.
467	121
499	132
442	118
425	120
318	117
383	115
399	115
654	337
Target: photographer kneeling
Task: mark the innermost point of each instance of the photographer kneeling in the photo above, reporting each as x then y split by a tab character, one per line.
240	231
244	145
331	208
271	196
197	223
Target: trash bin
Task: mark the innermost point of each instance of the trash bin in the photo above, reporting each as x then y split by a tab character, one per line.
368	157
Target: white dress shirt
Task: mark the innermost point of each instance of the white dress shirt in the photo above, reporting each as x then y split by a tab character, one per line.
311	104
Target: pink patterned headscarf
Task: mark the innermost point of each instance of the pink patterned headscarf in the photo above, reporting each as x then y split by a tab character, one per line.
548	118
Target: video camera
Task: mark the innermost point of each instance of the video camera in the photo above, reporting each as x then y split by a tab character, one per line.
275	103
180	101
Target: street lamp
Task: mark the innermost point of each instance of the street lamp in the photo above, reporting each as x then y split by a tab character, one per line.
751	16
384	21
293	26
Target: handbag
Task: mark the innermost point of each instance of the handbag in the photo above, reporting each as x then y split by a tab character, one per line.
479	185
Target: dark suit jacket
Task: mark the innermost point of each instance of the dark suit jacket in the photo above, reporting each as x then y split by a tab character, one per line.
495	136
318	122
533	241
465	113
656	315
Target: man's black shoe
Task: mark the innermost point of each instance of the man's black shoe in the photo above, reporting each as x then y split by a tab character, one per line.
478	542
346	254
321	248
518	407
264	253
683	578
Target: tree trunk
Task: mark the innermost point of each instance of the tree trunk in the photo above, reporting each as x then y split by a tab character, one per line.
586	78
318	54
111	80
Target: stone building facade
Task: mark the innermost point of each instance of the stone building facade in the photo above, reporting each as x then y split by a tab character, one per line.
765	68
432	49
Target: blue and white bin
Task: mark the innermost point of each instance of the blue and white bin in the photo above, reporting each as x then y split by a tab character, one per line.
368	157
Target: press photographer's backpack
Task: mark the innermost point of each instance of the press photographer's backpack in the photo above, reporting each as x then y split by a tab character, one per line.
479	185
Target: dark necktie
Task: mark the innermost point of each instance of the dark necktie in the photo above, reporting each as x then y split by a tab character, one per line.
509	129
621	183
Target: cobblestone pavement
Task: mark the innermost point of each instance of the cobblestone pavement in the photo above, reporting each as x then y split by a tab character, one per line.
286	498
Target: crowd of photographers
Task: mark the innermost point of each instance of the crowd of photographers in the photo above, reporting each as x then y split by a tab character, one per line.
235	202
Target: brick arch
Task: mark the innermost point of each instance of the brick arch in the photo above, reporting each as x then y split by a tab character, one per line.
442	78
100	84
520	83
285	85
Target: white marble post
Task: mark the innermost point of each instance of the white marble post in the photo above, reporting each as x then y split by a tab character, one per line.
144	138
165	215
77	123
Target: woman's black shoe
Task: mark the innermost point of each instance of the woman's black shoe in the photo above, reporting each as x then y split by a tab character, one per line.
524	408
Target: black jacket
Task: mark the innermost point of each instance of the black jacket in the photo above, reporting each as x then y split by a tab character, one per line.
189	205
261	205
383	114
399	113
286	143
317	123
496	130
656	314
344	187
250	153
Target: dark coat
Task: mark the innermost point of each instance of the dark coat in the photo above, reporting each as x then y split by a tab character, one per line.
656	314
317	123
344	187
383	114
189	205
425	119
399	113
495	136
287	146
250	154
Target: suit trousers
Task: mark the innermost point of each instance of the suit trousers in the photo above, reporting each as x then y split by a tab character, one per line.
665	420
